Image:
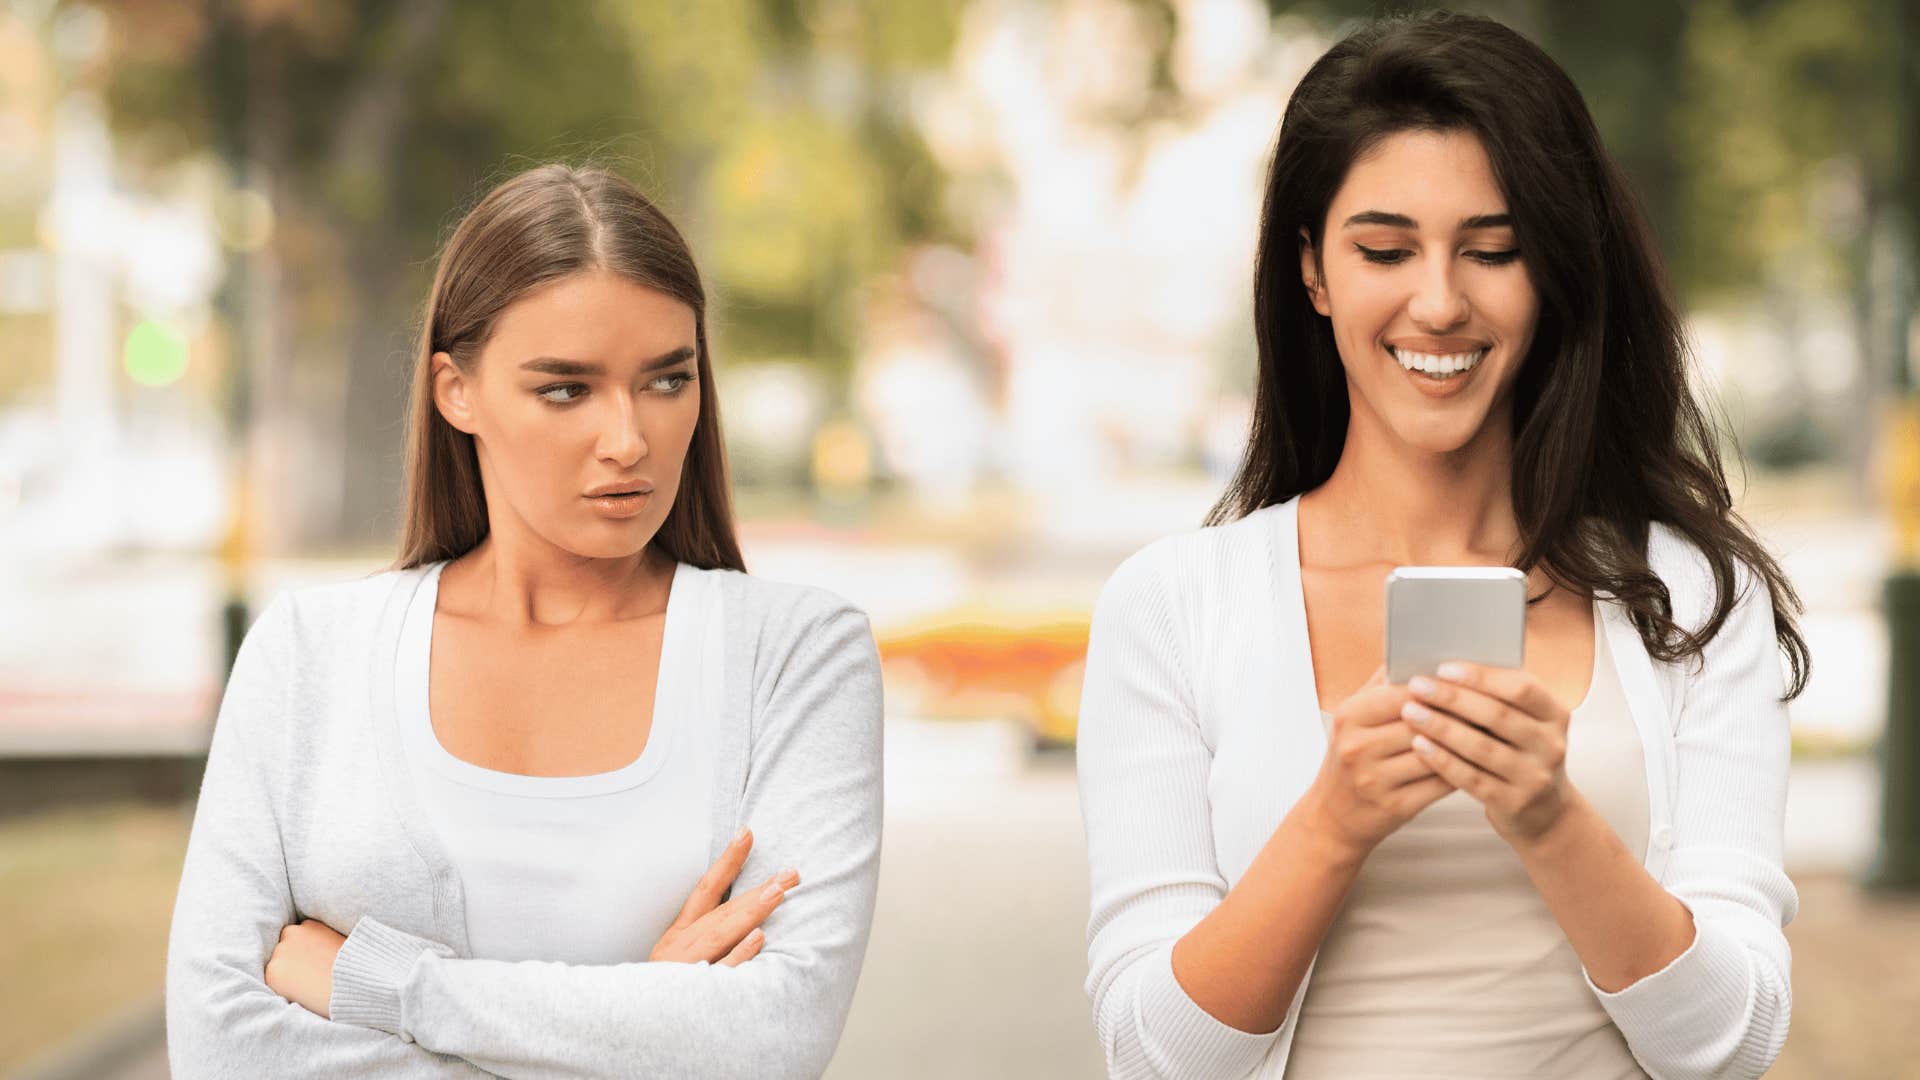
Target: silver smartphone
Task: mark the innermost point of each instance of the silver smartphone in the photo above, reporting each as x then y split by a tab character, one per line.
1440	613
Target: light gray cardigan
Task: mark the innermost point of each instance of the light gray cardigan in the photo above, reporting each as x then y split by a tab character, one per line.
307	811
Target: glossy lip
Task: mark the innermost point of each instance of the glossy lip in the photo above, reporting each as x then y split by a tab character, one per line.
620	488
608	506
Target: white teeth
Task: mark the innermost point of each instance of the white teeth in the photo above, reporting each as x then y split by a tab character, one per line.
1434	364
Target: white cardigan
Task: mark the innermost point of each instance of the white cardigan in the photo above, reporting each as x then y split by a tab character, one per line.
1199	729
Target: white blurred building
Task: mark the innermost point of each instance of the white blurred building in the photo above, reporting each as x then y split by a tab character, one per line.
1118	222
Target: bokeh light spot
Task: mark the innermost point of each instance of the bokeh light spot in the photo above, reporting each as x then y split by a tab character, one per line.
156	352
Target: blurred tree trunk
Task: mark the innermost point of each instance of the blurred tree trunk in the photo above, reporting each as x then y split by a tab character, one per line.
1906	188
366	147
1888	253
1626	58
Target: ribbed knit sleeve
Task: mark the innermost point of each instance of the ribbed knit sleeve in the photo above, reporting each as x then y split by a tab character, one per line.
1721	1008
813	799
1143	765
223	1020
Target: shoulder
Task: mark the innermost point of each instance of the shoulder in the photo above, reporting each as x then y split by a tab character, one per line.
345	599
1688	574
779	613
1675	557
1195	566
799	644
1235	544
347	609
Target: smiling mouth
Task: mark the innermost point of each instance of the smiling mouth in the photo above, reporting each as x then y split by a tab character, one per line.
1441	366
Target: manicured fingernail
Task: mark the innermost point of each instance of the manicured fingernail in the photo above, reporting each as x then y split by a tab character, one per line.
1417	714
1452	670
1420	684
789	877
742	835
753	937
772	891
1424	745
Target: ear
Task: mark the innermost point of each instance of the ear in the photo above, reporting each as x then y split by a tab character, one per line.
452	393
1310	275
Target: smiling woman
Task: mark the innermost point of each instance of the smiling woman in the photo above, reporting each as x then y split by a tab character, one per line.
1569	868
564	791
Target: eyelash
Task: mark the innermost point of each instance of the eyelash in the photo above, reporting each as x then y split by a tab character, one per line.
542	393
1485	258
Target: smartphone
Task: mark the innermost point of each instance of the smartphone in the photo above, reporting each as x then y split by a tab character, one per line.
1440	613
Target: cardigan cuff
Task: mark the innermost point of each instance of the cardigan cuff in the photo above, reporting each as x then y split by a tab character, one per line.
368	972
1700	999
1179	1038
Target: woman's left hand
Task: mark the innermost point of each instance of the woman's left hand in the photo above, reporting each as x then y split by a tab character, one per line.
301	967
1498	735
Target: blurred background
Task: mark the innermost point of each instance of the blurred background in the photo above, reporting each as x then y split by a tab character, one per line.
982	323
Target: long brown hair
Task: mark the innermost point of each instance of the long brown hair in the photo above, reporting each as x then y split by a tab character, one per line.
534	228
1608	436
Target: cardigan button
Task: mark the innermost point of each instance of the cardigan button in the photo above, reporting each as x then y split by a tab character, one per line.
1663	837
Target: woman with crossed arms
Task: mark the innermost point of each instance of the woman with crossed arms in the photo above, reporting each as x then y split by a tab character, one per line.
1468	356
565	792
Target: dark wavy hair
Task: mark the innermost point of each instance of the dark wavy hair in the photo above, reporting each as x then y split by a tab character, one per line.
1596	460
541	225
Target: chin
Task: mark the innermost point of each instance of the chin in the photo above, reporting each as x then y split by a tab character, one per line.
1436	435
617	549
622	540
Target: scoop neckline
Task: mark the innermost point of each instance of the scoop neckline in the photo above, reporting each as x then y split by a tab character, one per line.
416	643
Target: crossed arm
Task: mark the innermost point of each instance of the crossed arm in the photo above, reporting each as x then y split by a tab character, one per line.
404	1005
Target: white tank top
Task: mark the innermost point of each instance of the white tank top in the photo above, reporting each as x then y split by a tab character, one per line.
580	869
1445	963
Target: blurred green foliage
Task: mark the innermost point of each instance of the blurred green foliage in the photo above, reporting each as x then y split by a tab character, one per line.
777	133
1785	135
1762	135
773	128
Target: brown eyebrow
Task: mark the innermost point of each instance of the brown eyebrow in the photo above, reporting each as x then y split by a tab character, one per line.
1402	221
555	365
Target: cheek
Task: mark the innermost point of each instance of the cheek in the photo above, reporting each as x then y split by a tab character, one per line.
670	428
546	443
1359	341
1514	308
1362	306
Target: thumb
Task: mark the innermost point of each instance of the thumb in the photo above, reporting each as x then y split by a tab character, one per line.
1378	678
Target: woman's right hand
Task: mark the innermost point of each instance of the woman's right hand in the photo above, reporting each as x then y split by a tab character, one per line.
1371	782
728	933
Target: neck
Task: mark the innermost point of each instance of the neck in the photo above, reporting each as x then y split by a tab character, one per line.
1390	502
534	586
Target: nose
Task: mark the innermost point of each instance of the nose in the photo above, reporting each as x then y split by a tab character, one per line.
1438	305
620	439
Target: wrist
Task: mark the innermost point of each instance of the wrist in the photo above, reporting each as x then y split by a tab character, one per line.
370	971
1316	830
1567	831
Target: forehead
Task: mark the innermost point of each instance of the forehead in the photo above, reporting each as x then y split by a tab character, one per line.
1433	177
594	314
